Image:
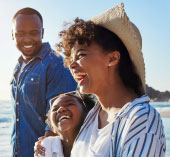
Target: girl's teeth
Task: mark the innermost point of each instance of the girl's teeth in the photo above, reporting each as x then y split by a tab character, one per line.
64	117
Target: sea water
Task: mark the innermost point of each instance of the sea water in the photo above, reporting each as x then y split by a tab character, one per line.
5	129
6	121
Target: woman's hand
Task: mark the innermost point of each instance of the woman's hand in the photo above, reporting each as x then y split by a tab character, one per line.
38	149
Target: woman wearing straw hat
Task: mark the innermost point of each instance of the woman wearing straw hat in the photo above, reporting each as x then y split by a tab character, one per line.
104	56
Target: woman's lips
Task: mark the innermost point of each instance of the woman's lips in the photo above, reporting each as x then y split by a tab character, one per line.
80	77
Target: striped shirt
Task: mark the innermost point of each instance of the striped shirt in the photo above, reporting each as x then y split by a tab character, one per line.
137	131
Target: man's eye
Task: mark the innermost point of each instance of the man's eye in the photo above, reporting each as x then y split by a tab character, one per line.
34	33
20	34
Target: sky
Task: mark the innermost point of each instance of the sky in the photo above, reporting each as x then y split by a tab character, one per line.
152	17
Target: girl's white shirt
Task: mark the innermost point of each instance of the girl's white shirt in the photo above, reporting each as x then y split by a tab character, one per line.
53	146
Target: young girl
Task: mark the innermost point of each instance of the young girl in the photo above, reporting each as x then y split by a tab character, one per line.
65	117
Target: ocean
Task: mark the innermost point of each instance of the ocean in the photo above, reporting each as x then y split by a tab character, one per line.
6	121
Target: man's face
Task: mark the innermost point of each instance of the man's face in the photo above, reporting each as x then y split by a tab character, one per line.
27	33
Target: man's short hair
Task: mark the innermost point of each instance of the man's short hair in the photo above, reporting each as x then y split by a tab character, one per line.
28	11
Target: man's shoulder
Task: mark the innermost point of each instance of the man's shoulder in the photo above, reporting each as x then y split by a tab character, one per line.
48	54
53	56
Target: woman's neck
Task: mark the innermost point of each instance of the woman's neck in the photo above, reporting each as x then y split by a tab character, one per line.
111	101
115	95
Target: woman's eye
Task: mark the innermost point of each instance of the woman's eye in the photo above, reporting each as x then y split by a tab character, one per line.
79	56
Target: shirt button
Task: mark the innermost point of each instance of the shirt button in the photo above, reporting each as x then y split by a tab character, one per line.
15	153
17	119
17	103
32	79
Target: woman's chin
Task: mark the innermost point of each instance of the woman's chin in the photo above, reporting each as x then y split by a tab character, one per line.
84	90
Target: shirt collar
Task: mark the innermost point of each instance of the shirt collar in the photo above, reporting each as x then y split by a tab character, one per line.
43	52
128	106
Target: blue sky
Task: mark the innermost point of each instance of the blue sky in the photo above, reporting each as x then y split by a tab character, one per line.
151	16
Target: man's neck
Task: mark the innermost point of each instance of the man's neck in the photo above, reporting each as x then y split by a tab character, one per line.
26	59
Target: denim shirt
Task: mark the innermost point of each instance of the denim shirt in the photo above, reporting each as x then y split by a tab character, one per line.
41	79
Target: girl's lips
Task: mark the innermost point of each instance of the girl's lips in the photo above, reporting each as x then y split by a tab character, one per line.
63	117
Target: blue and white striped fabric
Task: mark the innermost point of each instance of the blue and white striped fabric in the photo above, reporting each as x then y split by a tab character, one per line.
137	131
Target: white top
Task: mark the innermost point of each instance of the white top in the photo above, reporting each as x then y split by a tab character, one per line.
53	146
137	130
99	139
20	71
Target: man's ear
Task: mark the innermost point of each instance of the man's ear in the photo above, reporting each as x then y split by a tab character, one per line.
113	58
42	33
12	34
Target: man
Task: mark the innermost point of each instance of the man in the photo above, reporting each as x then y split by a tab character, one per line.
38	76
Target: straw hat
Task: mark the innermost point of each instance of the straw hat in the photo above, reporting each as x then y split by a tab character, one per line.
116	20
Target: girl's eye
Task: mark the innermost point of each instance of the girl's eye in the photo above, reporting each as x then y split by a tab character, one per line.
69	104
54	109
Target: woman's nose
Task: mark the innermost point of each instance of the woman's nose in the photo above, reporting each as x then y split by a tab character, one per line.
73	65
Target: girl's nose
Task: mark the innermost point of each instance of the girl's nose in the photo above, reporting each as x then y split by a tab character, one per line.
61	109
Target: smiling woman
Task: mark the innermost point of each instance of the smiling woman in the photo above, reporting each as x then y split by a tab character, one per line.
105	57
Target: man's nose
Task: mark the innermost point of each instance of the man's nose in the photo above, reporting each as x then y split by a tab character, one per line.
27	37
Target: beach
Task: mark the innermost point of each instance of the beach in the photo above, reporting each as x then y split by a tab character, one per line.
6	121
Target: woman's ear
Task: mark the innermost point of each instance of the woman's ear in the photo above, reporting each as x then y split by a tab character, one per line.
113	58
